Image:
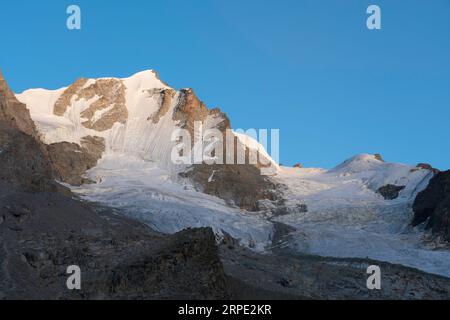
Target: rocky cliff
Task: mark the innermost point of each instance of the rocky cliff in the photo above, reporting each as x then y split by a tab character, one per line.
432	206
13	112
25	160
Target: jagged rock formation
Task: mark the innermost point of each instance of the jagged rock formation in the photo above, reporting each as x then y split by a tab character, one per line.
14	113
190	109
390	191
432	206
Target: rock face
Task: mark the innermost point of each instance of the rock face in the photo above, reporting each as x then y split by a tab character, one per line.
165	101
14	113
71	161
240	185
378	157
390	191
433	206
107	109
25	163
427	166
190	109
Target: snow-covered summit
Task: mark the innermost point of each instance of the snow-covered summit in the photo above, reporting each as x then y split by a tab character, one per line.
358	163
135	115
144	80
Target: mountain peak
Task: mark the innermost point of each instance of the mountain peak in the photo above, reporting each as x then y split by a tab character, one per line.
358	163
147	79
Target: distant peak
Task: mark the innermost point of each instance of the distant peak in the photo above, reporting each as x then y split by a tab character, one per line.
146	73
359	162
364	156
149	78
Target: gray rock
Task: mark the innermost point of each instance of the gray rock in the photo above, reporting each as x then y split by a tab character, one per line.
390	191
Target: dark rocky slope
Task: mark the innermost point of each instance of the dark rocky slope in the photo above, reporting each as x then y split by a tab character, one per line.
299	276
432	206
44	233
24	161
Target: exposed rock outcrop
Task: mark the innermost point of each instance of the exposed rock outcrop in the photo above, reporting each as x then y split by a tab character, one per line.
13	112
165	101
25	163
390	191
378	157
190	109
71	161
108	108
427	166
240	185
432	206
65	99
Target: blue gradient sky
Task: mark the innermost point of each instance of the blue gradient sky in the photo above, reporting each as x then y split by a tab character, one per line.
310	68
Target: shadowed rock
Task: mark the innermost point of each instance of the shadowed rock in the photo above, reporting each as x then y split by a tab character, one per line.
390	191
70	161
432	205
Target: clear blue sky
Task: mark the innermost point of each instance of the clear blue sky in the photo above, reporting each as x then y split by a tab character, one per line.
310	68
